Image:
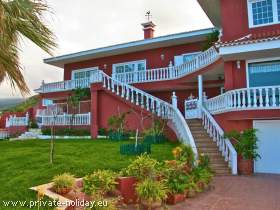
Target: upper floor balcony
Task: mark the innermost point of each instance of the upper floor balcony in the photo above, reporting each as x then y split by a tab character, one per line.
137	76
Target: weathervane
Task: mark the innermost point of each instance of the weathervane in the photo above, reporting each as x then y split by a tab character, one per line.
148	15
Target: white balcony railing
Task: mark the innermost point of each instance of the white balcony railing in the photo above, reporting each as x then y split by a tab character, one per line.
66	119
13	121
217	133
172	72
159	74
245	99
4	134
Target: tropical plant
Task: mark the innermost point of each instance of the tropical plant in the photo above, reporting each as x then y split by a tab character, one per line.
203	161
245	143
21	18
211	39
100	182
151	191
185	154
156	129
142	167
63	181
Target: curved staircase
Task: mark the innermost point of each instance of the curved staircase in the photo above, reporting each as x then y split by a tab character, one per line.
207	146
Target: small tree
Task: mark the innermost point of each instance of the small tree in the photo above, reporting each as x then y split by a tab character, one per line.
74	100
54	111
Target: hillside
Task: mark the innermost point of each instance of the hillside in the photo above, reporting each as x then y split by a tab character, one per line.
18	104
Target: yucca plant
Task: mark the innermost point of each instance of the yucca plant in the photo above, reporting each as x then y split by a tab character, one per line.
18	19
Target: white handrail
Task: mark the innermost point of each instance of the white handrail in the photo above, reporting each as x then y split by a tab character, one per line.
13	121
173	72
217	133
159	74
245	99
4	134
66	119
150	103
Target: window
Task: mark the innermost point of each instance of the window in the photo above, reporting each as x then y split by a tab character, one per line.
264	73
83	73
47	102
129	67
178	60
135	67
263	12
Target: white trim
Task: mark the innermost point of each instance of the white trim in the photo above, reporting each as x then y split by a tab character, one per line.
83	70
250	14
129	62
256	61
252	47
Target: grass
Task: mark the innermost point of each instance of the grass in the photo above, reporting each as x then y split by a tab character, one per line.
26	164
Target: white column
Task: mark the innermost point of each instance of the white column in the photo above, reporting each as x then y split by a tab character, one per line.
174	100
200	89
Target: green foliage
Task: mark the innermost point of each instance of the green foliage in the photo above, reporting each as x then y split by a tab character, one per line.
143	167
100	182
211	39
102	131
151	191
156	129
245	143
33	124
132	149
65	180
67	132
24	106
117	122
78	95
204	161
118	136
203	175
185	154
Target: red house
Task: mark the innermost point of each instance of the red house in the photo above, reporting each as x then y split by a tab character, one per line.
235	84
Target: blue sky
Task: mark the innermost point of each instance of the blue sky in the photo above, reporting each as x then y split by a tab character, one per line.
86	24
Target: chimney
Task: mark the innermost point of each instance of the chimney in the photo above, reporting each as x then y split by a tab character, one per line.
148	29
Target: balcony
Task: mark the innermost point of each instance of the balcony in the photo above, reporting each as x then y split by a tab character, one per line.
151	75
257	98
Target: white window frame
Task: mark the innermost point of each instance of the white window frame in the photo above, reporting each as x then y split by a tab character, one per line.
256	61
130	62
82	70
182	55
250	14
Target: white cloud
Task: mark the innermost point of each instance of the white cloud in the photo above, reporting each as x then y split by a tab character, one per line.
85	24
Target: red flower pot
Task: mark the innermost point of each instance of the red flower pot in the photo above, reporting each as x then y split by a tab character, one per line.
63	191
172	199
126	187
245	167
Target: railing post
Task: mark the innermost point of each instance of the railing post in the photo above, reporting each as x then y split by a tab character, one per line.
171	73
174	100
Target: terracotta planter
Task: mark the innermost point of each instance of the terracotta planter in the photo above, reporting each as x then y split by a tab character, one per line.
62	191
245	167
147	206
172	199
126	187
191	193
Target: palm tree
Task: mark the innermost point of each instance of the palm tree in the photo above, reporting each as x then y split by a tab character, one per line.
21	18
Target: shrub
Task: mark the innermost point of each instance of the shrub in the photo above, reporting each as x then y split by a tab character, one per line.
33	124
100	181
245	143
62	181
151	191
185	154
67	132
103	132
142	167
155	133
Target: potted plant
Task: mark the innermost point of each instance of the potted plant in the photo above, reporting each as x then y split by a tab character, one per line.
63	184
100	182
138	170
151	193
246	147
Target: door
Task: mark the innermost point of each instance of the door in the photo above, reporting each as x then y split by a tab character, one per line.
268	146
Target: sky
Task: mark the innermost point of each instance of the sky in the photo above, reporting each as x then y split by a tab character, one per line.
88	24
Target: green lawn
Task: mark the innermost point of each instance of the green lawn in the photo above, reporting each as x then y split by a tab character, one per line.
26	164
